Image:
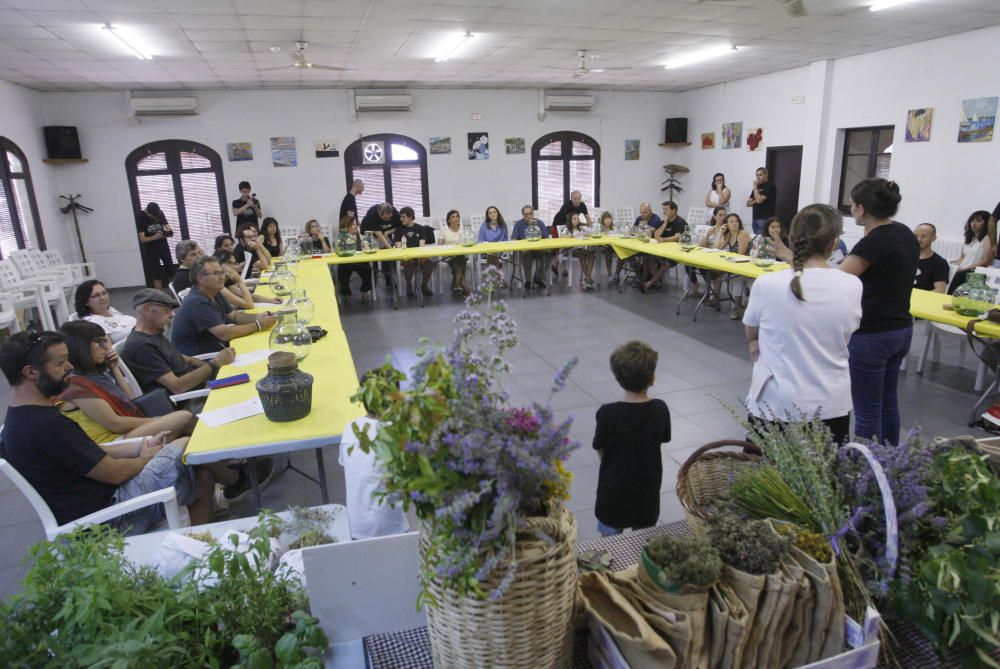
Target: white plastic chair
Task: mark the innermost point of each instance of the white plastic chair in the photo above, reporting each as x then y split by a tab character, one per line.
624	216
39	293
698	216
81	270
136	389
165	496
477	220
8	313
31	265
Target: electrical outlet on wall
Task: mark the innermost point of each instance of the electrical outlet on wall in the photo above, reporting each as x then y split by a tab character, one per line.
798	99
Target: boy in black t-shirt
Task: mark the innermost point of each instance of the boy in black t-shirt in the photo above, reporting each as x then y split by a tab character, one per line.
246	208
627	439
411	235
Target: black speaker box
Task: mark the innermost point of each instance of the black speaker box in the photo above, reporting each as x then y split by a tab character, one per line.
677	131
62	141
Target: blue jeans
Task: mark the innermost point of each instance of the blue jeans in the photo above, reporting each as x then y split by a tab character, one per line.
607	531
759	224
875	358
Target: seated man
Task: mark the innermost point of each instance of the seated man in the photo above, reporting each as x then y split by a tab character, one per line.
669	231
540	259
249	251
206	322
411	234
187	252
932	269
647	216
74	475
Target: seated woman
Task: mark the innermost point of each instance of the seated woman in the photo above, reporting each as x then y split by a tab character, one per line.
236	291
977	251
707	241
270	237
450	234
735	239
314	234
774	232
607	223
93	303
227	243
575	228
99	397
493	229
349	224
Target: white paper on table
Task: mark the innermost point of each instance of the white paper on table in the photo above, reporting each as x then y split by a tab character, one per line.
250	357
231	414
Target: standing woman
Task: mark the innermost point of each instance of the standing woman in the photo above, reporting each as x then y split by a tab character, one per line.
886	261
718	195
451	235
154	229
735	239
271	236
977	251
798	324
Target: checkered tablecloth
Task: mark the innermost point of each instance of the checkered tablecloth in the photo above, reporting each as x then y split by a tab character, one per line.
411	649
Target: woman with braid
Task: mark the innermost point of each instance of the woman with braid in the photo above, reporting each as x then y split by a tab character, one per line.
798	323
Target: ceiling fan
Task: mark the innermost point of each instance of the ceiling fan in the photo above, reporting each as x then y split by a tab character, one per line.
794	7
582	69
300	61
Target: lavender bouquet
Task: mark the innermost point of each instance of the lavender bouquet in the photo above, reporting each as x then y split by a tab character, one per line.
451	445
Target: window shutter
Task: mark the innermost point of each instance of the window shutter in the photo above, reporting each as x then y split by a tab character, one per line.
374	188
201	204
550	184
407	189
8	241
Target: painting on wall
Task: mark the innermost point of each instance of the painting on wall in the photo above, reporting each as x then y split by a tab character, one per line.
239	151
978	117
631	149
514	145
918	124
708	140
440	145
326	148
732	135
755	139
479	145
283	152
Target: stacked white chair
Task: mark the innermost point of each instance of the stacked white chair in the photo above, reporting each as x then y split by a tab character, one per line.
39	293
623	216
8	313
30	265
81	270
698	216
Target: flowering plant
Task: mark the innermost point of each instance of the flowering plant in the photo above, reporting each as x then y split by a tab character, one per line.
452	446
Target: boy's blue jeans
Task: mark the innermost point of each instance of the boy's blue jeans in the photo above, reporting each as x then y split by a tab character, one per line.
875	358
607	531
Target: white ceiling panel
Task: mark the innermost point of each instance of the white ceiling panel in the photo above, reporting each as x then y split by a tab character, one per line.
198	6
208	21
53	5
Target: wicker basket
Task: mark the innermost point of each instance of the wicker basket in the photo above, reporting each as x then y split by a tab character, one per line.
286	391
709	473
531	624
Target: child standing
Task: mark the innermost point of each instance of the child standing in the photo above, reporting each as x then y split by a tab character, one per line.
627	439
368	516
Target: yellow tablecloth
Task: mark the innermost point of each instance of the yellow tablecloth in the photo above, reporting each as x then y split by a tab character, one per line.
334	382
929	305
435	250
698	257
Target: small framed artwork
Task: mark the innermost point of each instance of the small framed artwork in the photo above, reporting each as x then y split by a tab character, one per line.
732	135
708	140
440	145
239	151
514	145
978	117
918	124
283	152
479	145
631	149
755	139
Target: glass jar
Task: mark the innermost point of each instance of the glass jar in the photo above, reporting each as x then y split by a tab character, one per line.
686	239
369	243
974	297
282	280
762	253
290	335
644	233
286	391
533	232
304	307
346	244
596	230
467	237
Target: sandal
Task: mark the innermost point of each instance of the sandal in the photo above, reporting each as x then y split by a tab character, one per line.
364	298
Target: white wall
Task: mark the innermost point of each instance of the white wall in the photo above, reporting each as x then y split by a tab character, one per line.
315	187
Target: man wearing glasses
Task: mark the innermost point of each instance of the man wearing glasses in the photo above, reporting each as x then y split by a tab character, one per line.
206	322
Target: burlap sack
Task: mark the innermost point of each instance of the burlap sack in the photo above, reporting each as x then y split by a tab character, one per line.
728	623
834	642
694	604
673	626
815	629
792	623
778	592
638	642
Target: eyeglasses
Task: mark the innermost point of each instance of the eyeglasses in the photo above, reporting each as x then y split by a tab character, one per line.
35	338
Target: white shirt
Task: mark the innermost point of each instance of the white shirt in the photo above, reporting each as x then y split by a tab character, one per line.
447	236
117	325
972	253
802	364
368	516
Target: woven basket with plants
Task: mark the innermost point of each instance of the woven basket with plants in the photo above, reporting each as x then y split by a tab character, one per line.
705	478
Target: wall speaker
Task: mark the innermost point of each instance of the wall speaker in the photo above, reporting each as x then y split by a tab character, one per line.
62	141
677	131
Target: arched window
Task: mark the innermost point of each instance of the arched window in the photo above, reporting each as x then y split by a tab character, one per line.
394	169
562	162
18	209
185	179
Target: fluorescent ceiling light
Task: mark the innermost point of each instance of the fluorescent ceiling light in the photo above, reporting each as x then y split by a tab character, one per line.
693	57
879	5
111	30
452	47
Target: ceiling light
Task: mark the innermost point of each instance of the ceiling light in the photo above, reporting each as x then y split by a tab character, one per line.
879	5
115	32
699	56
452	47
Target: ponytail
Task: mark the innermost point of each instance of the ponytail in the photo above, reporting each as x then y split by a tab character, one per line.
813	231
800	253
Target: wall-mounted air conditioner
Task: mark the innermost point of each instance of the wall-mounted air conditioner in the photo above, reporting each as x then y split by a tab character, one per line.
382	102
163	106
568	102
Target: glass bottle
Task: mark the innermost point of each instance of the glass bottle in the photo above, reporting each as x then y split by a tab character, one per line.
303	306
596	230
533	232
973	297
282	280
346	244
686	239
290	335
762	253
369	243
644	233
467	237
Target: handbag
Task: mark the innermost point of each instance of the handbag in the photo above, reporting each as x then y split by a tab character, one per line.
155	403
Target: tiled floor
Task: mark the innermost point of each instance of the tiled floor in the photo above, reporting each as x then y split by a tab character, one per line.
703	368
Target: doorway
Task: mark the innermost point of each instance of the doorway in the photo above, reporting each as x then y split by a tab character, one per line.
784	169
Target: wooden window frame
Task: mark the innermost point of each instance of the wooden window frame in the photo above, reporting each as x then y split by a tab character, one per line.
6	182
566	138
353	158
873	154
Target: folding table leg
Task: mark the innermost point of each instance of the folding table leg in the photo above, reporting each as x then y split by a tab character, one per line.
321	474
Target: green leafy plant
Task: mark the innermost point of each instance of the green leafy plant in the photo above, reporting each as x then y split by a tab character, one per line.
688	560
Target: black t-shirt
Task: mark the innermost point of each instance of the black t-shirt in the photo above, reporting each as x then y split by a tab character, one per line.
569	208
249	256
151	226
372	222
191	332
671	228
765	209
413	235
182	279
628	486
317	244
348	204
892	252
248	216
150	356
55	455
929	271
273	249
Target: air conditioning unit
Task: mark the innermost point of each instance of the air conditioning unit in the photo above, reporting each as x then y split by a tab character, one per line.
569	102
382	102
163	106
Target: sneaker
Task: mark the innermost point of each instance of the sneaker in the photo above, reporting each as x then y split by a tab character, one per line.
539	283
240	489
409	292
426	291
734	314
612	280
992	415
220	504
